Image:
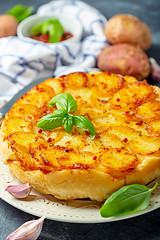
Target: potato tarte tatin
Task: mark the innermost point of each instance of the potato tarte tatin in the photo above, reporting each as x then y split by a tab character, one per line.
126	148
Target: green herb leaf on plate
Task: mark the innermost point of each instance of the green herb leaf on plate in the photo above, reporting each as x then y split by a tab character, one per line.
20	12
68	123
51	121
84	122
64	101
128	199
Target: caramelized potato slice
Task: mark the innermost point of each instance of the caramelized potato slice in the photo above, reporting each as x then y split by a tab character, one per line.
104	84
27	111
92	112
95	146
104	123
99	102
37	147
132	96
118	161
56	83
75	141
53	135
110	140
23	138
38	95
76	80
149	110
153	128
81	96
24	157
16	124
129	80
124	133
145	145
72	160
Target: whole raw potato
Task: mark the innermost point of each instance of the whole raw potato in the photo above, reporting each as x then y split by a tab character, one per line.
126	28
8	25
125	59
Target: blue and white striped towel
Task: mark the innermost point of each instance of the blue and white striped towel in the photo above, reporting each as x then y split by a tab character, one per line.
22	61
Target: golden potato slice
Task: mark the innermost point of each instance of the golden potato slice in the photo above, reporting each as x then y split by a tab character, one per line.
118	161
99	102
95	146
53	135
92	113
149	110
104	123
75	80
38	95
25	158
56	83
72	160
28	111
132	96
90	77
16	124
124	133
145	145
23	138
110	140
128	80
153	128
81	96
37	147
72	141
104	84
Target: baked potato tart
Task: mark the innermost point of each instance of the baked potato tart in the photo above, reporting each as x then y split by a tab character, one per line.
126	148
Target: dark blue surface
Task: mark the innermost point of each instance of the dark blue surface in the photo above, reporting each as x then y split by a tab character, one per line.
145	227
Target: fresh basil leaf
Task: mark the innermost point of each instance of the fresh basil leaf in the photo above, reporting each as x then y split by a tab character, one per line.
64	101
84	122
50	121
20	12
128	199
68	123
61	112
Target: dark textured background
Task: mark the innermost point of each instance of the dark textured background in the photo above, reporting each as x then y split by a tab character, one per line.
145	227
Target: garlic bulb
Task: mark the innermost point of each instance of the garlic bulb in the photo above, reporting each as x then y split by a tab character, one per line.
28	231
19	191
155	70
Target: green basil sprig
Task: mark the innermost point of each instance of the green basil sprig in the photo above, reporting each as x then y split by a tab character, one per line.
65	103
128	199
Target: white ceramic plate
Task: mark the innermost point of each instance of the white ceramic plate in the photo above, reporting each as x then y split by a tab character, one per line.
77	211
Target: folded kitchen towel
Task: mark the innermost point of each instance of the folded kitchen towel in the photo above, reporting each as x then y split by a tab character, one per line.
24	60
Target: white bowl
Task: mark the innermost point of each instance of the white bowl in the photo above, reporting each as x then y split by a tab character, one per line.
69	24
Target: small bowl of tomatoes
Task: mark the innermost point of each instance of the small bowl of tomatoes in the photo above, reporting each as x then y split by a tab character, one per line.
51	29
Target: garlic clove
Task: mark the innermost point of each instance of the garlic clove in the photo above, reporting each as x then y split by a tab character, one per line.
155	70
19	191
28	231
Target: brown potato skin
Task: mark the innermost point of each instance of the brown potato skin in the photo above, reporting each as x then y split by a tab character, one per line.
8	25
124	59
126	28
